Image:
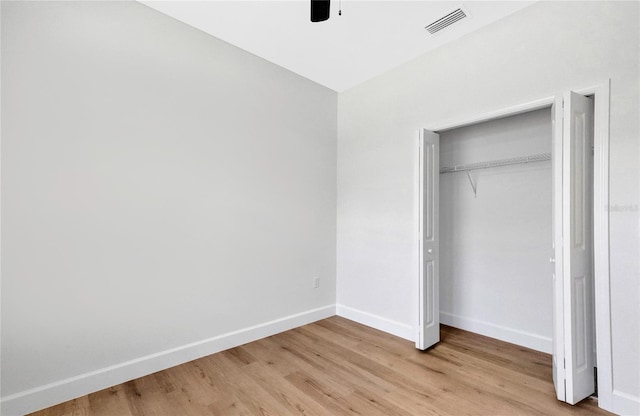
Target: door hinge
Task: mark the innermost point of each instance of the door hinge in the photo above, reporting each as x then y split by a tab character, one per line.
564	363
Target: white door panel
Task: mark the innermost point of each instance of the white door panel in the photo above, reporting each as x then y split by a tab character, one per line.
428	237
578	281
573	306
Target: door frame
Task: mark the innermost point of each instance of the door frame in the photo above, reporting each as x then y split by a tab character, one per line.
601	244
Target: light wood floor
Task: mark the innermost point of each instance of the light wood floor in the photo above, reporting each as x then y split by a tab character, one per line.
338	367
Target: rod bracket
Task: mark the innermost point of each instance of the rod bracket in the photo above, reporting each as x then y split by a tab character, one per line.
474	186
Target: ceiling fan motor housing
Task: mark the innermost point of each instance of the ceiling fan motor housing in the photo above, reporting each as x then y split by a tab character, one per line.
320	10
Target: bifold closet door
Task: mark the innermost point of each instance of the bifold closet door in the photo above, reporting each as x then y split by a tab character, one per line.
428	239
573	284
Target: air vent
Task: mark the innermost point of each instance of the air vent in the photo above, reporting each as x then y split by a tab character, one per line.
446	21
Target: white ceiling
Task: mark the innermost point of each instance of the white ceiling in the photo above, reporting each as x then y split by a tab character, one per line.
369	38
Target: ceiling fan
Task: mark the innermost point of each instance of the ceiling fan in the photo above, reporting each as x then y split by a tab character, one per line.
320	10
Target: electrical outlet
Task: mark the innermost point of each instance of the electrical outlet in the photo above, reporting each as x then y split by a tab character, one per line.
316	282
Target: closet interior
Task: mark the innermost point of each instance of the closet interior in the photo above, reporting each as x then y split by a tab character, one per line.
496	228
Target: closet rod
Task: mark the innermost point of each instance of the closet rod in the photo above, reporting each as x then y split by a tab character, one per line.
497	163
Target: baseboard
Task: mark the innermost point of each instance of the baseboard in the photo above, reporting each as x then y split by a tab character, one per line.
68	389
514	336
625	404
378	322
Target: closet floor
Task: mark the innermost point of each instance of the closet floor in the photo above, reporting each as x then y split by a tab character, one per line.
338	367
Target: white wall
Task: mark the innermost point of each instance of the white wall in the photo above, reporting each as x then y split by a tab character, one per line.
540	51
160	190
495	246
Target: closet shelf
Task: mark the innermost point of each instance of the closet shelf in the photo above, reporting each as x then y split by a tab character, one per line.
497	163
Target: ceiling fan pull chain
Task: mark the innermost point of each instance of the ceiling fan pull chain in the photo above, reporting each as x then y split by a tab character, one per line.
339	7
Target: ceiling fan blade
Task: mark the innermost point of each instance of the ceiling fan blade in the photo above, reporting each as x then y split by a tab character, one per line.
320	10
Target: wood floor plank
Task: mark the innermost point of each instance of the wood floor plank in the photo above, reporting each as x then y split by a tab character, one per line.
338	367
107	402
523	359
245	388
407	375
295	401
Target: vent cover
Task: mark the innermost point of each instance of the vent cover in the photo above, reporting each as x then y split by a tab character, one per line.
446	21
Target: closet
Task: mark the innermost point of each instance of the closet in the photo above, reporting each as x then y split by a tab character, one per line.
510	231
495	229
